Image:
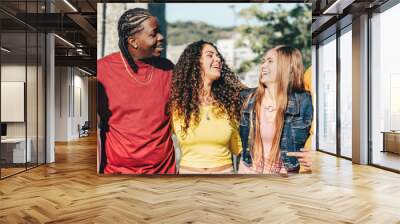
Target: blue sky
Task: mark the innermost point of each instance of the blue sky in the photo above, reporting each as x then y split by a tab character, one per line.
218	14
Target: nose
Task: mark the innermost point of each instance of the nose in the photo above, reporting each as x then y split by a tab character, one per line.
160	37
218	59
263	66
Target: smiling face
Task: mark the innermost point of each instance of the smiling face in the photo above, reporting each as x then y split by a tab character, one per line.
210	63
268	68
149	41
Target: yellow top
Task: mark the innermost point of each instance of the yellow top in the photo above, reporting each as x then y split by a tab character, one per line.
210	143
308	86
308	80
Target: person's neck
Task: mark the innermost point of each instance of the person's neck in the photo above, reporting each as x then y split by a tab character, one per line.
136	56
206	91
270	93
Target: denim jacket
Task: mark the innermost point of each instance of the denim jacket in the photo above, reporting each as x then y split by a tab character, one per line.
296	127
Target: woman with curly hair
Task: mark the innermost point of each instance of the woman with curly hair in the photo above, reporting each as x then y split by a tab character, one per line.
205	107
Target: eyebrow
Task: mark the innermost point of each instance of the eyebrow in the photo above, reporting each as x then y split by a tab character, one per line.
212	52
155	29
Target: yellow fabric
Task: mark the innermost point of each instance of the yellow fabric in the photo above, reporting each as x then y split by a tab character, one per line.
210	143
308	86
308	80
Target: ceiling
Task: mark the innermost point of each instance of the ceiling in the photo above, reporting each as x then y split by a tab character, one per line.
330	15
74	22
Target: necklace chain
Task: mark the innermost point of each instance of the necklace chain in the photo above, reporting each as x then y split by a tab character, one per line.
131	75
270	108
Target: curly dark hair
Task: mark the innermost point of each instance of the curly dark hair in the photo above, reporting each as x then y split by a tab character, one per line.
187	84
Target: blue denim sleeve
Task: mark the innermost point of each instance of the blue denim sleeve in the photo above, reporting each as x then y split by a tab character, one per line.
307	109
303	126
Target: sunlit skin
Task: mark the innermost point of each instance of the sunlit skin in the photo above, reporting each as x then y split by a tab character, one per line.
268	68
210	65
147	42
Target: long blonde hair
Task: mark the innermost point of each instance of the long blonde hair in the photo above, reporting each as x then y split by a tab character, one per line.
290	71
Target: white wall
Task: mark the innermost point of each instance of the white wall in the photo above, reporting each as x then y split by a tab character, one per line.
80	94
71	93
33	126
61	103
13	73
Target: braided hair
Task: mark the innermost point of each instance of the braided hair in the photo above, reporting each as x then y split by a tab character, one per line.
130	23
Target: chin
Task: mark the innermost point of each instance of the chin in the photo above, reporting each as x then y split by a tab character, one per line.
264	82
157	53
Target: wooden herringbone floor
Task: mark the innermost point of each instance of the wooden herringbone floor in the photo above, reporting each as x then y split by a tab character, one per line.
70	191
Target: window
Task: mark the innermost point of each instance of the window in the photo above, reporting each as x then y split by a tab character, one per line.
385	89
327	95
346	92
22	76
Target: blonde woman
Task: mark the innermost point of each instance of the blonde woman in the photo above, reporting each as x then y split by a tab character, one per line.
276	117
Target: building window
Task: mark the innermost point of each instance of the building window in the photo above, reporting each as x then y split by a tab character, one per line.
346	92
327	95
385	89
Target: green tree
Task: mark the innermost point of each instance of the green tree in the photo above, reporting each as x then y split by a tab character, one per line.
281	26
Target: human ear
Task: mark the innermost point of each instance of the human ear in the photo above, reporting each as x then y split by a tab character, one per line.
132	41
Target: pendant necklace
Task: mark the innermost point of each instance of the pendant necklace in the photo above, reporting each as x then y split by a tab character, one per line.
208	102
207	116
269	108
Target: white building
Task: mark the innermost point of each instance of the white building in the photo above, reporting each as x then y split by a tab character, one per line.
251	77
233	55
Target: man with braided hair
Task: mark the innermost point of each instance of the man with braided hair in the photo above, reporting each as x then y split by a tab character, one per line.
133	91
